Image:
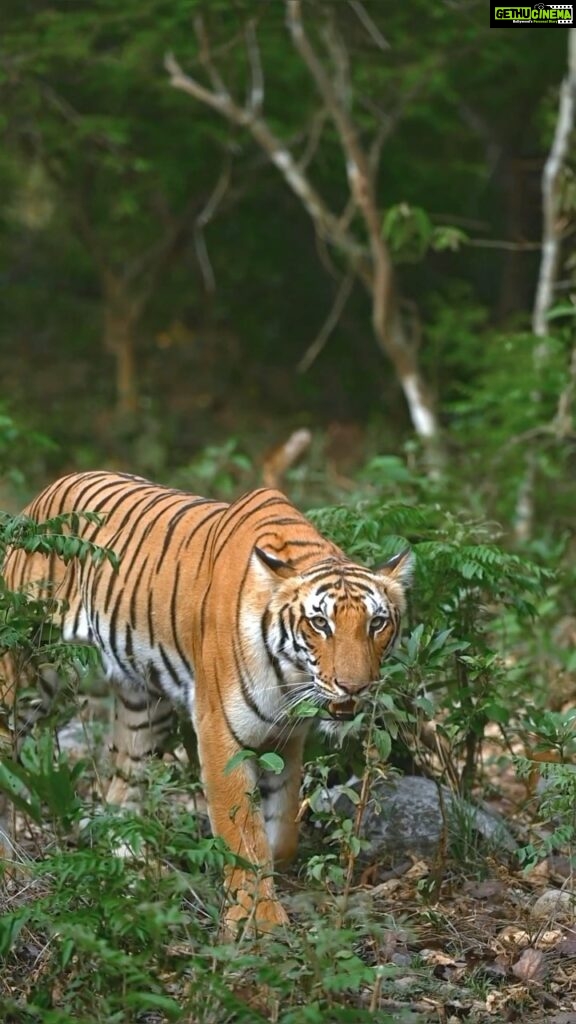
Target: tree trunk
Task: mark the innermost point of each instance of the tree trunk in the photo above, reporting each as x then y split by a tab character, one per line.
553	237
121	318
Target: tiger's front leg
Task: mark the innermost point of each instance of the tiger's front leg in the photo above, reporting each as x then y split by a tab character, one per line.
236	814
280	793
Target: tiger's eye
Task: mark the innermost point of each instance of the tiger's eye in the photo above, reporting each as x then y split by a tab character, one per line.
378	623
319	623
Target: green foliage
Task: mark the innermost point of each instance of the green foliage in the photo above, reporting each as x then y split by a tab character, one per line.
268	762
42	782
468	590
58	535
220	470
410	233
131	934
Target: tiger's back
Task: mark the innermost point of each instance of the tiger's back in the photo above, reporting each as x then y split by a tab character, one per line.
234	612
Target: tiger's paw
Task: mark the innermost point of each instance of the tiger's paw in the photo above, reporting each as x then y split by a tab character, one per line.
254	917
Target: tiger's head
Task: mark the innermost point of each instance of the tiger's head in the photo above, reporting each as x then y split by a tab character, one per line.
328	628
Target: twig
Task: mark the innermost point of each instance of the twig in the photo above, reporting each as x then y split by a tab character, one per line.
494	243
315	134
205	56
255	98
372	29
202	220
330	323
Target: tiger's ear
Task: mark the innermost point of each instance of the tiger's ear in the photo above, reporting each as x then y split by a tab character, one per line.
280	569
399	568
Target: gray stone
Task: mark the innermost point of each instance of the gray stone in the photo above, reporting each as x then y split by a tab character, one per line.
404	816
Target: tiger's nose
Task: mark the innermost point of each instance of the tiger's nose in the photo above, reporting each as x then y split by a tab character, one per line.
348	688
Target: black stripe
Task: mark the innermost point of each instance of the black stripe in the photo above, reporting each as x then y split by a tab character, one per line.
126	494
169	666
152	723
138	509
182	511
153	678
128	642
246	694
265	623
237	521
77	615
130	704
134	758
218	511
43	506
268	789
174	622
134	594
293	622
150	616
112	579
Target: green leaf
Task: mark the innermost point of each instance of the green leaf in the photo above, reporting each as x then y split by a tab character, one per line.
271	762
383	743
239	758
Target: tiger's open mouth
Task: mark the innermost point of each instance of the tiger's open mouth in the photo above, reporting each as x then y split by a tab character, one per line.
342	710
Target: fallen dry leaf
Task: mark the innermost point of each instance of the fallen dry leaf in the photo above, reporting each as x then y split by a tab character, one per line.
485	890
511	935
567	944
531	968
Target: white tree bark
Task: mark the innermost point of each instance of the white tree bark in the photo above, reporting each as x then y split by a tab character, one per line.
552	228
552	239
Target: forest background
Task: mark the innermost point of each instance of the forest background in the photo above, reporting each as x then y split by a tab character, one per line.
222	223
164	282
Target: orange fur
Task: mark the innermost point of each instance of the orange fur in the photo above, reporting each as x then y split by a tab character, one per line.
235	613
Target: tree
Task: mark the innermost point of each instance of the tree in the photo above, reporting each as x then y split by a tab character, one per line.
356	235
86	103
557	225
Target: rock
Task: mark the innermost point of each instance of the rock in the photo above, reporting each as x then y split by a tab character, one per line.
404	816
554	905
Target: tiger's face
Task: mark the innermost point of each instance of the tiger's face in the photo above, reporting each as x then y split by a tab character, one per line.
329	628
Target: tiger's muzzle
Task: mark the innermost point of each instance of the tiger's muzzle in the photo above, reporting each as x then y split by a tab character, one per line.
349	697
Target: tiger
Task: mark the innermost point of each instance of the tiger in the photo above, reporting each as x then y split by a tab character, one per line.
234	613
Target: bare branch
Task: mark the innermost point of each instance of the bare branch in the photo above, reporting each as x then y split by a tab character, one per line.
315	134
202	220
282	457
341	61
371	264
256	97
329	324
205	56
358	172
220	100
372	29
494	243
216	197
325	221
